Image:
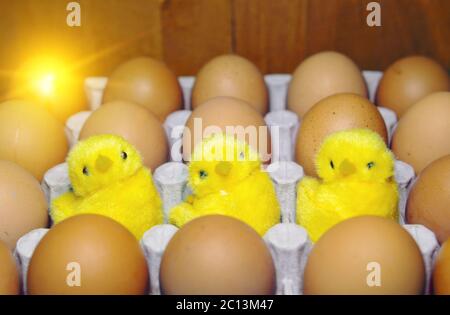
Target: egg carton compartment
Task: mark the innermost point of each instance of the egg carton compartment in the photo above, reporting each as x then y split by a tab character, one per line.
288	242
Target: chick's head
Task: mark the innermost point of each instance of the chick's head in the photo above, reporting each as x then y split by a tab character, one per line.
219	162
355	154
99	161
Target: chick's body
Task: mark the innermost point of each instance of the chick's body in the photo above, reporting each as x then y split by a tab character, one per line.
226	178
356	173
108	178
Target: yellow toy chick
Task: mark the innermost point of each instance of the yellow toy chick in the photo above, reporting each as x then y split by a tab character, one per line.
356	172
108	178
226	178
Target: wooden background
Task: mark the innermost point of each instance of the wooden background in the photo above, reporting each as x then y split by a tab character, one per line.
275	34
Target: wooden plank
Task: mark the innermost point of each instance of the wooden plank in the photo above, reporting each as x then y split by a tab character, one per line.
270	33
277	35
408	27
194	31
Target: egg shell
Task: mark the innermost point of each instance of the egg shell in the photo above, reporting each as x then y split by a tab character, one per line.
147	82
429	199
108	257
408	80
222	112
234	76
31	137
334	113
422	134
217	255
23	203
321	75
134	123
9	275
342	260
441	274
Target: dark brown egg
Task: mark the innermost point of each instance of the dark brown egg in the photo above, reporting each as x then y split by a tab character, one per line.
429	200
88	254
365	255
441	274
9	275
23	206
234	76
408	80
230	115
422	134
147	82
322	75
334	113
31	137
134	123
217	255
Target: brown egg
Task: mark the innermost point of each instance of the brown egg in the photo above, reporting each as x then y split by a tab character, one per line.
408	80
334	113
429	200
147	82
9	276
234	76
320	76
422	134
31	137
23	204
365	255
88	254
441	274
134	123
219	113
217	255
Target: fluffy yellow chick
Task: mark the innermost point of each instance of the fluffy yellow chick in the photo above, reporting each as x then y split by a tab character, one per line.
108	178
356	172
226	178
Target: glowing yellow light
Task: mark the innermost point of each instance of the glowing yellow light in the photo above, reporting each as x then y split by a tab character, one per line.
45	84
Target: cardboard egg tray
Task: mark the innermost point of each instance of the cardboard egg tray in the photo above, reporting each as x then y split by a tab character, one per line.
288	242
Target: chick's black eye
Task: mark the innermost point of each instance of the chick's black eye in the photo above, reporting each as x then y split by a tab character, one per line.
85	171
332	164
203	174
370	165
124	155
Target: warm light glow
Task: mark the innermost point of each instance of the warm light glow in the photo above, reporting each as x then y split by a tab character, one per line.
44	76
45	84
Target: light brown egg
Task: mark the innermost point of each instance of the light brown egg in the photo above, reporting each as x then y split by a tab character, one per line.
408	80
320	76
217	255
31	137
23	206
9	276
422	134
334	113
88	254
365	255
441	273
147	82
429	200
133	122
234	76
227	114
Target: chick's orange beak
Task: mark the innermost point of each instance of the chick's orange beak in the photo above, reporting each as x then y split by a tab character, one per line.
103	163
346	168
223	168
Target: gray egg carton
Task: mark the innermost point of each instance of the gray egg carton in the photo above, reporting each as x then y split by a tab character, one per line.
288	242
